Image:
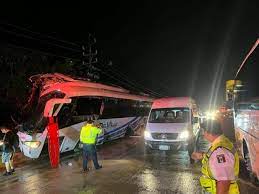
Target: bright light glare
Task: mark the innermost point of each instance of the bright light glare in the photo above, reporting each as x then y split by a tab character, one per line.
184	135
211	115
147	134
32	144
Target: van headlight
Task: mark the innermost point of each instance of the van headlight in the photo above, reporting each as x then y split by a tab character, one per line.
184	135
147	134
32	144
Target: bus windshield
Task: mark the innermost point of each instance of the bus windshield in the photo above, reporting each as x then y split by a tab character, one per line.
170	115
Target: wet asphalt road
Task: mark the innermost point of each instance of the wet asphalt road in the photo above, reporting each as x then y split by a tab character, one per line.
126	169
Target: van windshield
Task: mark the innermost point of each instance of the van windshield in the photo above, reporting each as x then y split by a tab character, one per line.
170	115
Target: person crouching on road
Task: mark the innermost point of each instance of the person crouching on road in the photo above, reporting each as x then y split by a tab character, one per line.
220	165
8	152
88	136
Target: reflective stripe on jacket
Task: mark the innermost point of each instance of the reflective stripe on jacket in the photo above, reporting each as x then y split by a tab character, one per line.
207	181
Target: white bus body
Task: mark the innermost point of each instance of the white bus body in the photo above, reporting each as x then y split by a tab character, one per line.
69	136
246	114
246	120
74	102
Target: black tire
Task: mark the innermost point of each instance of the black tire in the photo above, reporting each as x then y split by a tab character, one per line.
254	180
197	140
190	146
147	149
190	149
129	132
248	166
248	163
77	147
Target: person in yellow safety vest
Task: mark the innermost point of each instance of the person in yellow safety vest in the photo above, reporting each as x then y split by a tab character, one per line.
88	136
220	165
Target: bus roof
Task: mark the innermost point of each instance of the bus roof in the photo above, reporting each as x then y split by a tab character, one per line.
170	102
75	88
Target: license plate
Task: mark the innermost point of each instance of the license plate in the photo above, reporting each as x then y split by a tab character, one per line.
164	147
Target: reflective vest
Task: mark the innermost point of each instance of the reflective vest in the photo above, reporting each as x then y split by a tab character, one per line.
207	181
89	133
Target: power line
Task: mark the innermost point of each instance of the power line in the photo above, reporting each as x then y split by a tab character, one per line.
134	82
121	81
33	32
130	83
30	37
137	82
119	74
127	82
133	85
39	51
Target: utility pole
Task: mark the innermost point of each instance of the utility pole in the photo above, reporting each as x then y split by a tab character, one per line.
89	59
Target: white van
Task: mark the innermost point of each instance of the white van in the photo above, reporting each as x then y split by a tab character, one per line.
172	124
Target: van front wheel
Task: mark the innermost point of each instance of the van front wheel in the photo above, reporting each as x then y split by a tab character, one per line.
147	149
190	149
129	132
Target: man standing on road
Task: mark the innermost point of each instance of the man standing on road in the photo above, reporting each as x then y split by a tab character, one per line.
88	136
220	165
8	151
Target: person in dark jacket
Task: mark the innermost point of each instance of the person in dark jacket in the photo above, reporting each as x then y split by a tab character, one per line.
8	151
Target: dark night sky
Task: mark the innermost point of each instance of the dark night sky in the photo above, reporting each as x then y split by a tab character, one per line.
176	49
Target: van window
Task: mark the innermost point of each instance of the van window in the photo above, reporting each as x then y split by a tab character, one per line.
169	115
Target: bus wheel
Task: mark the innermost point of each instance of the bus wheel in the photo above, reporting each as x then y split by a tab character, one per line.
78	147
248	166
129	132
254	179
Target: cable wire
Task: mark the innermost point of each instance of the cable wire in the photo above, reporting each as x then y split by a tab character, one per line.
30	37
38	33
131	84
39	51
